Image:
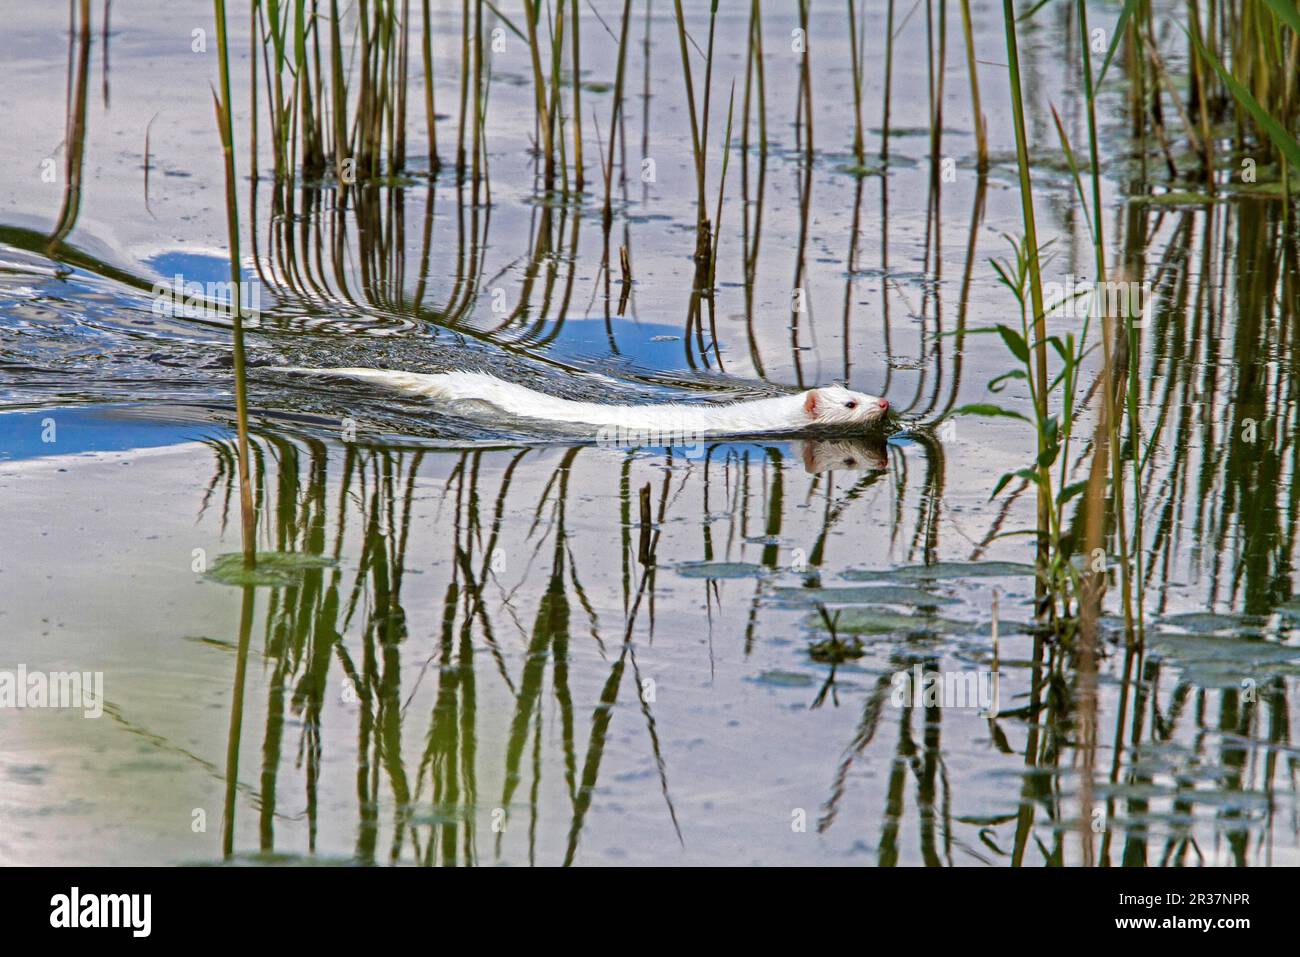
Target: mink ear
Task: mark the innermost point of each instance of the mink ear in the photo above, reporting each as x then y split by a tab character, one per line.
810	404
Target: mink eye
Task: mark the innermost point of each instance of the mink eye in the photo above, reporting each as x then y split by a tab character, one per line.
851	404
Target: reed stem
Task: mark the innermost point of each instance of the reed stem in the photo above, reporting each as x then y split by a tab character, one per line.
248	519
1031	252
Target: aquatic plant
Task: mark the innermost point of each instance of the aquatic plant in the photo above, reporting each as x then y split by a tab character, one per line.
223	107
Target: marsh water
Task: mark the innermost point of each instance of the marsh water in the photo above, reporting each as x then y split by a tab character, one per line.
474	641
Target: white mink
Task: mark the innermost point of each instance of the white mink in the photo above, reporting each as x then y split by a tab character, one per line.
832	407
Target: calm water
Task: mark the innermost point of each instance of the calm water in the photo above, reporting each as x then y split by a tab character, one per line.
468	648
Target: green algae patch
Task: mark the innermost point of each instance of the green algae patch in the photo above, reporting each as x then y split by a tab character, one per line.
272	569
871	621
720	570
954	570
860	595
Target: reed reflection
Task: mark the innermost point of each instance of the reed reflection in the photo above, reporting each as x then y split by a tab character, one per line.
343	644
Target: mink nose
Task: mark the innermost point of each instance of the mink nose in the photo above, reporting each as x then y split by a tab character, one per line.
884	405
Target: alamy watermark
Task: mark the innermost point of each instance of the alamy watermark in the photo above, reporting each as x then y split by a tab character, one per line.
1077	298
210	300
976	689
53	689
133	912
692	444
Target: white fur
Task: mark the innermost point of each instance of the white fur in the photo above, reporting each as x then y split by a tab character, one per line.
829	407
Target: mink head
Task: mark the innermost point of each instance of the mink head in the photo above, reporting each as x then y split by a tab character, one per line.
837	406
